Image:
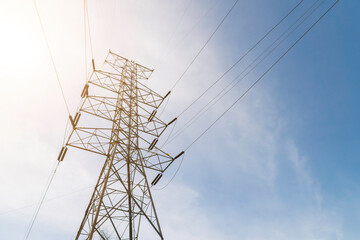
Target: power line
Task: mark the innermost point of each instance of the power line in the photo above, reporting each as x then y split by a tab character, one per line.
199	52
89	28
51	55
176	28
211	103
176	44
172	178
196	25
233	104
51	177
167	140
202	48
45	201
47	186
85	43
243	78
241	58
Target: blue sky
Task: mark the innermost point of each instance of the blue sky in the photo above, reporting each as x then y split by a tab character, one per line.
282	164
325	97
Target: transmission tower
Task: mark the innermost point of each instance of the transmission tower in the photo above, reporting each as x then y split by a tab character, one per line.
119	116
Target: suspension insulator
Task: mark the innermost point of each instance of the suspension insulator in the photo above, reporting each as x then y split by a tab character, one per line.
152	145
179	155
77	117
93	64
167	95
156	179
152	115
74	121
85	91
172	121
62	154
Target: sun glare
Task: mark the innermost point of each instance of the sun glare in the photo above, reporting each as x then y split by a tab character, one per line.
21	44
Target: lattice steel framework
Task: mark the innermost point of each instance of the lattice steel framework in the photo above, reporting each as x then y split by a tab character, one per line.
120	124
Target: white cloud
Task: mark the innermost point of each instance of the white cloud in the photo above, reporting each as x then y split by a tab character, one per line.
244	149
301	168
183	215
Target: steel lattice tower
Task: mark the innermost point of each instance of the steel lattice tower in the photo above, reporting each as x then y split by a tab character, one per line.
119	116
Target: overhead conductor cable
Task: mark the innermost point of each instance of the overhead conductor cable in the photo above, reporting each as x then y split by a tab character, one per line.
278	60
232	105
241	58
200	51
223	92
47	186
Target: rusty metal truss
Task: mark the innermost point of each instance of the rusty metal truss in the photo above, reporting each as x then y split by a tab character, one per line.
117	119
